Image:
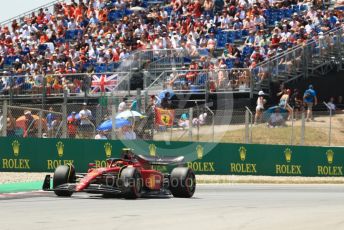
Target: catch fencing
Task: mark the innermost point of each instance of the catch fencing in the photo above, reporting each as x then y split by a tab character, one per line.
200	123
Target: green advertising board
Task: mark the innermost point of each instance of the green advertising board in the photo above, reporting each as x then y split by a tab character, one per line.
44	155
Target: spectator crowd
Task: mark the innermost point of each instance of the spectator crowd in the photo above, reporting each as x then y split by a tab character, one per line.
97	35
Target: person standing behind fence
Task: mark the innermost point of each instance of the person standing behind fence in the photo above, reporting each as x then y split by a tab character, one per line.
260	107
72	124
11	124
310	100
123	105
50	118
86	127
30	129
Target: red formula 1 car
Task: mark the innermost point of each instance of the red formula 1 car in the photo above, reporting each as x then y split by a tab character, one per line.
130	176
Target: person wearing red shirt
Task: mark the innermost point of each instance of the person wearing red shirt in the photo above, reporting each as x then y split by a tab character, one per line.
72	125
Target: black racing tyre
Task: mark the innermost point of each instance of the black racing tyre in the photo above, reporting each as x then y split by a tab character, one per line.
63	174
182	182
131	183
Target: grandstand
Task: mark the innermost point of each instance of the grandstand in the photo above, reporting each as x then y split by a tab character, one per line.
195	47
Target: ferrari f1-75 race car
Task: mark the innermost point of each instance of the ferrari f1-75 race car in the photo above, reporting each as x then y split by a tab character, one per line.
130	176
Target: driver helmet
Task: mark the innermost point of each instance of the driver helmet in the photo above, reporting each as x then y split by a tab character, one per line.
127	153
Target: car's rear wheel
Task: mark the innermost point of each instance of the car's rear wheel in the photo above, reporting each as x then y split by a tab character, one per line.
63	174
131	183
182	182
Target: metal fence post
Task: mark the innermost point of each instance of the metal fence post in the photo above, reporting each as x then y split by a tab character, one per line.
330	125
113	120
40	114
212	122
247	129
64	114
292	127
190	126
4	119
248	124
138	100
303	127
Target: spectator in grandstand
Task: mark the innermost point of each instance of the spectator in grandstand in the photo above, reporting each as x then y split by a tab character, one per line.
259	107
310	100
72	125
276	119
123	105
11	124
183	121
86	126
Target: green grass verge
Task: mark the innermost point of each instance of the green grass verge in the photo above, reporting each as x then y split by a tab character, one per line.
21	187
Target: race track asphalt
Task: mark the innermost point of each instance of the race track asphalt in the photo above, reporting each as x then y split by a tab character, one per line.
305	207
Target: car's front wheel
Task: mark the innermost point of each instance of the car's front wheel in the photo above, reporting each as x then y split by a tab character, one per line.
131	183
63	174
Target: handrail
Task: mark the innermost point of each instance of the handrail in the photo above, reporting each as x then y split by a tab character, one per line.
293	49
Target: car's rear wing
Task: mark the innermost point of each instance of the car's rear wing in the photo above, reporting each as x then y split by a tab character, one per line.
157	160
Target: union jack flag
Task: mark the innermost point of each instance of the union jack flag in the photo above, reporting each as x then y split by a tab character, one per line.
104	83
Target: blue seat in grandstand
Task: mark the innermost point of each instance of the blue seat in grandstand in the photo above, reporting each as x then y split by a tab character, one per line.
42	48
203	52
230	36
100	68
128	12
247	51
303	7
201	79
221	38
110	67
195	88
60	40
238	34
186	60
168	10
230	63
73	34
114	15
116	65
288	12
245	32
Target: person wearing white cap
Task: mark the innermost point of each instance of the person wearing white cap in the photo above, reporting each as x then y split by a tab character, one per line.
260	107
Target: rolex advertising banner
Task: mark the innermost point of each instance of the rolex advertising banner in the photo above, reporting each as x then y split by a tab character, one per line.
44	155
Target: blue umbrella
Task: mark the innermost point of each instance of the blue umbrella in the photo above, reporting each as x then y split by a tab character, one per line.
272	109
163	93
107	125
